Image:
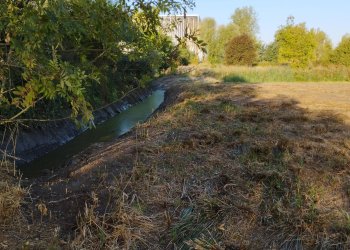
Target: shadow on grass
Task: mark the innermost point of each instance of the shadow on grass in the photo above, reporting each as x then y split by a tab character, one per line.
273	173
218	168
234	79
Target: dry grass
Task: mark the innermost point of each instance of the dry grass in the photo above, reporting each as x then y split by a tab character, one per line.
11	199
233	167
11	215
321	97
278	170
224	166
121	227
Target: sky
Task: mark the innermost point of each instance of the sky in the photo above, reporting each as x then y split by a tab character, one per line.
333	17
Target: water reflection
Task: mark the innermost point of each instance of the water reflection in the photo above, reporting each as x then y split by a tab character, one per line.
107	131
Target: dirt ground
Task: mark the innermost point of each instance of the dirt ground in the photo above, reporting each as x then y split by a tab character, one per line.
220	166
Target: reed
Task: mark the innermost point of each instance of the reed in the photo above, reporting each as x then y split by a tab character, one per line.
278	74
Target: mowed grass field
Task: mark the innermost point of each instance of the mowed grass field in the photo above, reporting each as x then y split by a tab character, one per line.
332	97
320	88
224	165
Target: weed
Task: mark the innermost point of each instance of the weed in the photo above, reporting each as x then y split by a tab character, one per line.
224	166
259	74
11	199
123	227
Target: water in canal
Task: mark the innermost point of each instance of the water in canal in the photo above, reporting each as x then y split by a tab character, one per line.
107	131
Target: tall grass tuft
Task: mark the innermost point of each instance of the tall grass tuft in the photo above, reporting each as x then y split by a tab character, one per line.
11	199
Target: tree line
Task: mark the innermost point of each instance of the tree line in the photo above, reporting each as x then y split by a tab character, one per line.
294	44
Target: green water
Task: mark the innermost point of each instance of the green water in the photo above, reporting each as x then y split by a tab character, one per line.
107	131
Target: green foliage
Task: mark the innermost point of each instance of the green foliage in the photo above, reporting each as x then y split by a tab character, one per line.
184	56
323	49
269	53
167	51
216	48
207	30
296	45
78	53
281	74
241	50
246	20
341	54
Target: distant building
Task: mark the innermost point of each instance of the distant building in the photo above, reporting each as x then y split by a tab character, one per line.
175	26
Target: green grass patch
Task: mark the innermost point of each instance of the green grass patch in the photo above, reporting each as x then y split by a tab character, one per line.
258	74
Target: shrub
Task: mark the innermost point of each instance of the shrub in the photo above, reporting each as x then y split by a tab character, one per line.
296	45
184	57
269	53
77	53
241	50
323	49
341	54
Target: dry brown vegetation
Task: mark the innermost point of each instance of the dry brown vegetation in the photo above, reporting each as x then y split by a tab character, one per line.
11	198
223	166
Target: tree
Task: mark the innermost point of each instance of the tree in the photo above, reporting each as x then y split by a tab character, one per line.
341	54
241	50
69	53
216	38
323	47
296	44
207	30
270	53
246	20
217	48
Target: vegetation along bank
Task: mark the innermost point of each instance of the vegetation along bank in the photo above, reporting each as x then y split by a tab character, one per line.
250	149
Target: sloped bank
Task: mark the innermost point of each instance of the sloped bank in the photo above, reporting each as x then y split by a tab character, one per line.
220	167
35	142
219	159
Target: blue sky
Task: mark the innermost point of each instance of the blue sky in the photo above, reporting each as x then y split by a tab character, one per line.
333	17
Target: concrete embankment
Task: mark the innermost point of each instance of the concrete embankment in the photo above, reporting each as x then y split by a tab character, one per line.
33	142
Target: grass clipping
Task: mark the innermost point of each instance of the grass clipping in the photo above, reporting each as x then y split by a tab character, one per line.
223	168
121	228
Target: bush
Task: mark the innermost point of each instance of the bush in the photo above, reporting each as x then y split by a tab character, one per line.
186	57
296	45
79	54
241	50
270	53
341	54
